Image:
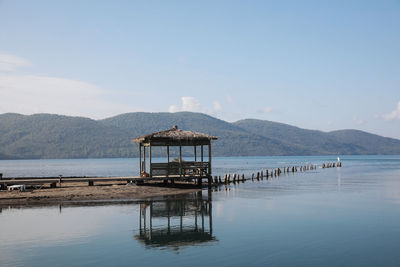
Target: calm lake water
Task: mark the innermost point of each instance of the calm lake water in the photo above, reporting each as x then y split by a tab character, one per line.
347	216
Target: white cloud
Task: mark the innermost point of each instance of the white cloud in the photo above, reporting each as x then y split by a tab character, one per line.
173	109
266	110
395	114
28	94
217	106
10	62
358	120
189	103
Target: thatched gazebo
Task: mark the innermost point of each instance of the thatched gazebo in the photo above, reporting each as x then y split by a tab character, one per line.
176	169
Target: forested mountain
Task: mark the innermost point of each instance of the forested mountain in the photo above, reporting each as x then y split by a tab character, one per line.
336	142
232	140
56	136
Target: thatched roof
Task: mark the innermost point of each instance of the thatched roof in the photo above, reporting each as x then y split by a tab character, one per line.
175	136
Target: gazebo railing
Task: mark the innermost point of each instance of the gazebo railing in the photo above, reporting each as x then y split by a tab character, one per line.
185	168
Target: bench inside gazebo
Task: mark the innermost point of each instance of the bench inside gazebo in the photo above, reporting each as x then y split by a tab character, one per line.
177	169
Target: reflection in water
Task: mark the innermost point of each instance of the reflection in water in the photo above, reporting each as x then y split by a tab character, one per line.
176	221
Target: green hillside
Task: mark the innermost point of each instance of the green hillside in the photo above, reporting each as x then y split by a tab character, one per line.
56	136
366	143
336	142
232	141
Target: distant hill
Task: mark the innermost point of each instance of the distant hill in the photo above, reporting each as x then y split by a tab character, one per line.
3	156
56	136
232	141
336	142
359	142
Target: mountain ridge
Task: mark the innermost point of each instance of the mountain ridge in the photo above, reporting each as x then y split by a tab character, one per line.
58	136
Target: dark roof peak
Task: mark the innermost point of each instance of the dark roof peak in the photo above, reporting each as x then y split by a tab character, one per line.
174	135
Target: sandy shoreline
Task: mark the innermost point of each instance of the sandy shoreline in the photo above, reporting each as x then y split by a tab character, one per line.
79	192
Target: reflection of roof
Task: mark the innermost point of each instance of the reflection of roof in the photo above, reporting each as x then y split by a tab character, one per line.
174	135
175	238
177	208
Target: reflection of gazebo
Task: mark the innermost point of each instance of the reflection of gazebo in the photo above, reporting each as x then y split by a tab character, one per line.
178	169
170	234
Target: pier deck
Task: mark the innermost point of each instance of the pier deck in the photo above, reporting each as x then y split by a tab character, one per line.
91	180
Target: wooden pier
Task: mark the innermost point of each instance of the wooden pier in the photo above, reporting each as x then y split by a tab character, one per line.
193	178
58	181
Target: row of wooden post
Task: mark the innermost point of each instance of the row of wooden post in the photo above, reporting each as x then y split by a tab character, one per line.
236	178
332	165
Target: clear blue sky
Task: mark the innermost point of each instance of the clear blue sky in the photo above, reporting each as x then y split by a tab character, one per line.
323	65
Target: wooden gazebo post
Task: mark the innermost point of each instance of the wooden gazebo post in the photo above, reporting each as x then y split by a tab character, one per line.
180	161
144	158
209	158
151	171
140	159
168	160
